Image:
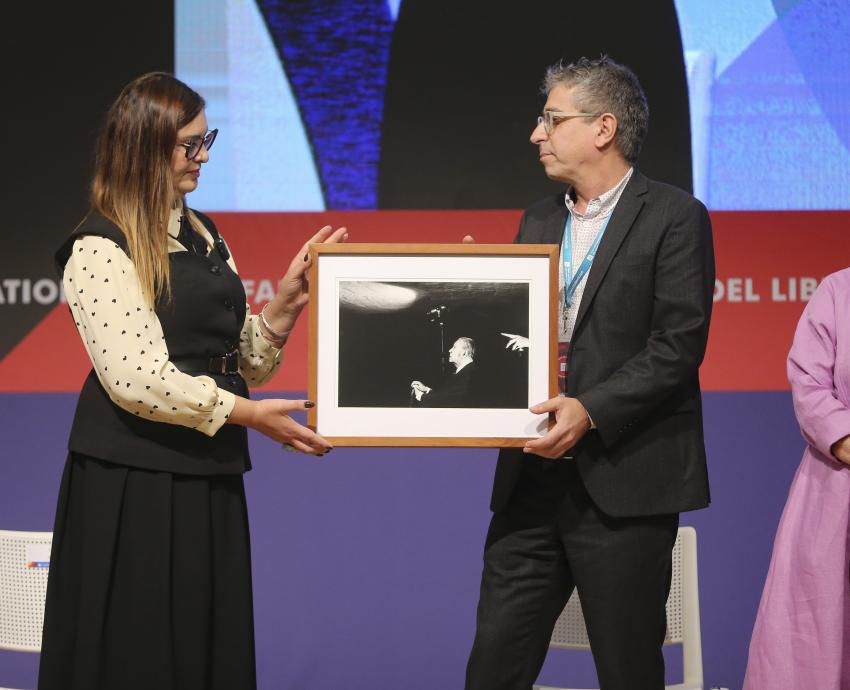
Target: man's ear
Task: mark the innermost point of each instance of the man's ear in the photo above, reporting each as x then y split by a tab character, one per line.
606	129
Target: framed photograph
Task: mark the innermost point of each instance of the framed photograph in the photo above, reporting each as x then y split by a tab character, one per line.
432	344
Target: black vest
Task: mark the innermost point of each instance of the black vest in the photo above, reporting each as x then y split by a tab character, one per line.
204	318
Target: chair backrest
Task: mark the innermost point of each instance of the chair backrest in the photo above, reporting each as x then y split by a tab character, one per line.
24	562
683	625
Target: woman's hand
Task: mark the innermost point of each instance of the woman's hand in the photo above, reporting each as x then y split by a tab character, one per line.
271	418
293	288
841	450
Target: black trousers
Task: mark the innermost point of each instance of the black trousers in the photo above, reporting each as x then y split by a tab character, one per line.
550	540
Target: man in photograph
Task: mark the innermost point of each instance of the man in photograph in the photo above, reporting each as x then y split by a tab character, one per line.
594	504
461	389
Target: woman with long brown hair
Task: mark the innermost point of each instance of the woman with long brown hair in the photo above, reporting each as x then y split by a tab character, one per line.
150	578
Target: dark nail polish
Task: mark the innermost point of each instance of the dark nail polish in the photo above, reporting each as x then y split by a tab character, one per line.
306	256
309	403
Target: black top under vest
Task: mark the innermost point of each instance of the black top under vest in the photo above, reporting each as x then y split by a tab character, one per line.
203	318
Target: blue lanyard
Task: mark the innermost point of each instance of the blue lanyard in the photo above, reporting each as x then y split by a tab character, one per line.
571	282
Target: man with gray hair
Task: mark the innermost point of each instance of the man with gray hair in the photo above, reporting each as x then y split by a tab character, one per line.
594	504
461	389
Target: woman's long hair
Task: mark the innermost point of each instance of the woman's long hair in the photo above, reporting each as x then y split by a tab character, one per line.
133	183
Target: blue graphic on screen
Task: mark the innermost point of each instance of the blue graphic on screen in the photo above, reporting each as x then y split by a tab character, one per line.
779	111
339	89
297	91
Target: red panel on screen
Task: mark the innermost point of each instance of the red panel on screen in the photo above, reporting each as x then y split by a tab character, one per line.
263	245
768	263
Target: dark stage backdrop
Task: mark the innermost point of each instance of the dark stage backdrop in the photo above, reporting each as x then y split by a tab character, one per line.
383	351
367	562
64	63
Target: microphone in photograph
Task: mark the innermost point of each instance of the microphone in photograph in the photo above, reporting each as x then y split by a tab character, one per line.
435	314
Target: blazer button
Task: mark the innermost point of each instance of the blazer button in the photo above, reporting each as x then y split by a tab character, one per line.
228	304
215	268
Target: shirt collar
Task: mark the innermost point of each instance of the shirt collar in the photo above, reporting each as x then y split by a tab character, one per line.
174	221
602	205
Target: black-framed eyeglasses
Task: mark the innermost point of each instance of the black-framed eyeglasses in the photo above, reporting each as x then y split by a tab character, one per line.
193	147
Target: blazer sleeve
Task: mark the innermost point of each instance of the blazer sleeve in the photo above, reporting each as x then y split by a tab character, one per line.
675	346
823	417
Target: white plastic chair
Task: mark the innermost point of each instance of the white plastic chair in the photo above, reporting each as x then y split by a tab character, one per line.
682	615
24	562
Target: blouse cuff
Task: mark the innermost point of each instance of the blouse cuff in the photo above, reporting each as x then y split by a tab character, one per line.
259	358
220	412
263	346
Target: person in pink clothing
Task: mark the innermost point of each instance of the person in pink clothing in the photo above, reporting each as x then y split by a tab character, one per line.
802	631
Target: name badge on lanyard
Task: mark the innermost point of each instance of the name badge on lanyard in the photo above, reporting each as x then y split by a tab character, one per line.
571	282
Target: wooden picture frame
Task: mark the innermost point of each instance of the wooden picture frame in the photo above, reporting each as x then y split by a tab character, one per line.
448	317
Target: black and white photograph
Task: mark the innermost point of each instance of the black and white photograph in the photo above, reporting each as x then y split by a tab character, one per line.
457	344
432	344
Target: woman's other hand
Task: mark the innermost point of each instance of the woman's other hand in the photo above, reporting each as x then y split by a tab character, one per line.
271	418
293	289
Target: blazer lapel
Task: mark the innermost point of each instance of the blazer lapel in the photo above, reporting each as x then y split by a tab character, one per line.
630	203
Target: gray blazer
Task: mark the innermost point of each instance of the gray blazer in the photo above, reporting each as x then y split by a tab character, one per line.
638	342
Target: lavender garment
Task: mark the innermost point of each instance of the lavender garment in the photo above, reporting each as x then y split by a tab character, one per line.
802	633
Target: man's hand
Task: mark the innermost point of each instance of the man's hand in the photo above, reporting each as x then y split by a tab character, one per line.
572	422
841	450
516	342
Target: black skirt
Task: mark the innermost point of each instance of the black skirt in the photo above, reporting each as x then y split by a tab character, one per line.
150	582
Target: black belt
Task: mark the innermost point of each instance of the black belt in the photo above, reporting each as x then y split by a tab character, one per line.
223	364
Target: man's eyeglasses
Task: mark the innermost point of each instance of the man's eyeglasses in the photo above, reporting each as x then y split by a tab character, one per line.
552	118
193	147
